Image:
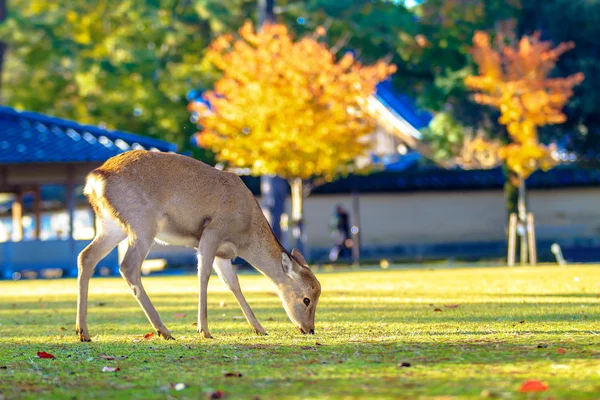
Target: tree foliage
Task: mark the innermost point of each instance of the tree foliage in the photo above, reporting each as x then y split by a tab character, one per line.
124	64
514	77
287	107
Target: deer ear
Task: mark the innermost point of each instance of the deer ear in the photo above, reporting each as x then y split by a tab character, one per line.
289	266
299	257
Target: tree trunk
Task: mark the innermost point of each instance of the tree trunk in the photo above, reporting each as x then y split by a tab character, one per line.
273	188
266	14
2	47
522	206
297	187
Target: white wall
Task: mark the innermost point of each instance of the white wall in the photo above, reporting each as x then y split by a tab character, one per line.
443	217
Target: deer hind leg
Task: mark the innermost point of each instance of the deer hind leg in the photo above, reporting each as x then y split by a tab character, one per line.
109	235
207	250
224	269
140	241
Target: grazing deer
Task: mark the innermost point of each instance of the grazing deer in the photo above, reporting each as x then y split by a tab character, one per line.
145	196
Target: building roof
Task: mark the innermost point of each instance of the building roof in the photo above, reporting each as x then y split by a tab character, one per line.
28	137
435	179
402	105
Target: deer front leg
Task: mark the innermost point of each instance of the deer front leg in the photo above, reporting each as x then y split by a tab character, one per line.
108	237
131	272
224	269
206	255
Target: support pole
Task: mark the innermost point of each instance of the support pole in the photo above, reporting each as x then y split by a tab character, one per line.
531	239
37	211
17	218
355	230
71	203
512	239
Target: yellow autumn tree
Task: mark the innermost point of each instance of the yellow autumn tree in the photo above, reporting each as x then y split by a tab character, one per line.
287	107
514	77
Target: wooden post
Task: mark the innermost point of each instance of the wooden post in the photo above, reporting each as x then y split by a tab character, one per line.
531	238
512	239
17	218
95	222
355	230
37	211
71	204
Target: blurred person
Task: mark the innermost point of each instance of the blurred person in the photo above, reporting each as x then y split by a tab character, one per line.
339	225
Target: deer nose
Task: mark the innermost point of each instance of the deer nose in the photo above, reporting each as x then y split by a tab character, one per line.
312	332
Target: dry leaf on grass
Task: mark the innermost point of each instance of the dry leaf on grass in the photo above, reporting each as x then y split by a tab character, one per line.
533	386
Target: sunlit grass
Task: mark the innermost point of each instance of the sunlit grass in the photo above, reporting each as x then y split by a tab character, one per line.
497	328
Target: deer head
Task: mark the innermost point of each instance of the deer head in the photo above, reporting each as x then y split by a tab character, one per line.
300	295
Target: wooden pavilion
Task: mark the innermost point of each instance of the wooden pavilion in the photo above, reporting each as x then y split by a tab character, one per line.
38	150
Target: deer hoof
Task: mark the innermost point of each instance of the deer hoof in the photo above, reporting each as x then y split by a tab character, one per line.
84	337
165	334
261	332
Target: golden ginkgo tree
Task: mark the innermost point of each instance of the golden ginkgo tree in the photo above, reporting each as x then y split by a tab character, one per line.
287	107
514	76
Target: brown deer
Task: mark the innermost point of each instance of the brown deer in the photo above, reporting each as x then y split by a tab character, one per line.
145	196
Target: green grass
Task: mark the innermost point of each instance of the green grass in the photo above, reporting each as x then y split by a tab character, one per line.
506	329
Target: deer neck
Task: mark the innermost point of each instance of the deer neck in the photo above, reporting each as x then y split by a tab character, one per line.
264	253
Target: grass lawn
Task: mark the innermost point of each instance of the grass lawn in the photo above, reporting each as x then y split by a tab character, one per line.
465	333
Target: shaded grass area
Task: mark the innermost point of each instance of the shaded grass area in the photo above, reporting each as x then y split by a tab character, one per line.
466	333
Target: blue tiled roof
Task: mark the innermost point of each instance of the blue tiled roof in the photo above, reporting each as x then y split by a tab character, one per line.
402	105
437	179
28	137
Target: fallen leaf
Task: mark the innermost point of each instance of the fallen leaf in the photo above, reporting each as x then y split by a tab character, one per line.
178	386
561	351
238	317
232	374
533	386
437	309
522	321
101	304
405	365
216	395
318	344
43	354
179	315
148	336
110	369
452	305
195	324
110	358
62	328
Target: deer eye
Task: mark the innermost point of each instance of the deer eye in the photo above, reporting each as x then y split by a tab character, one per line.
306	301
